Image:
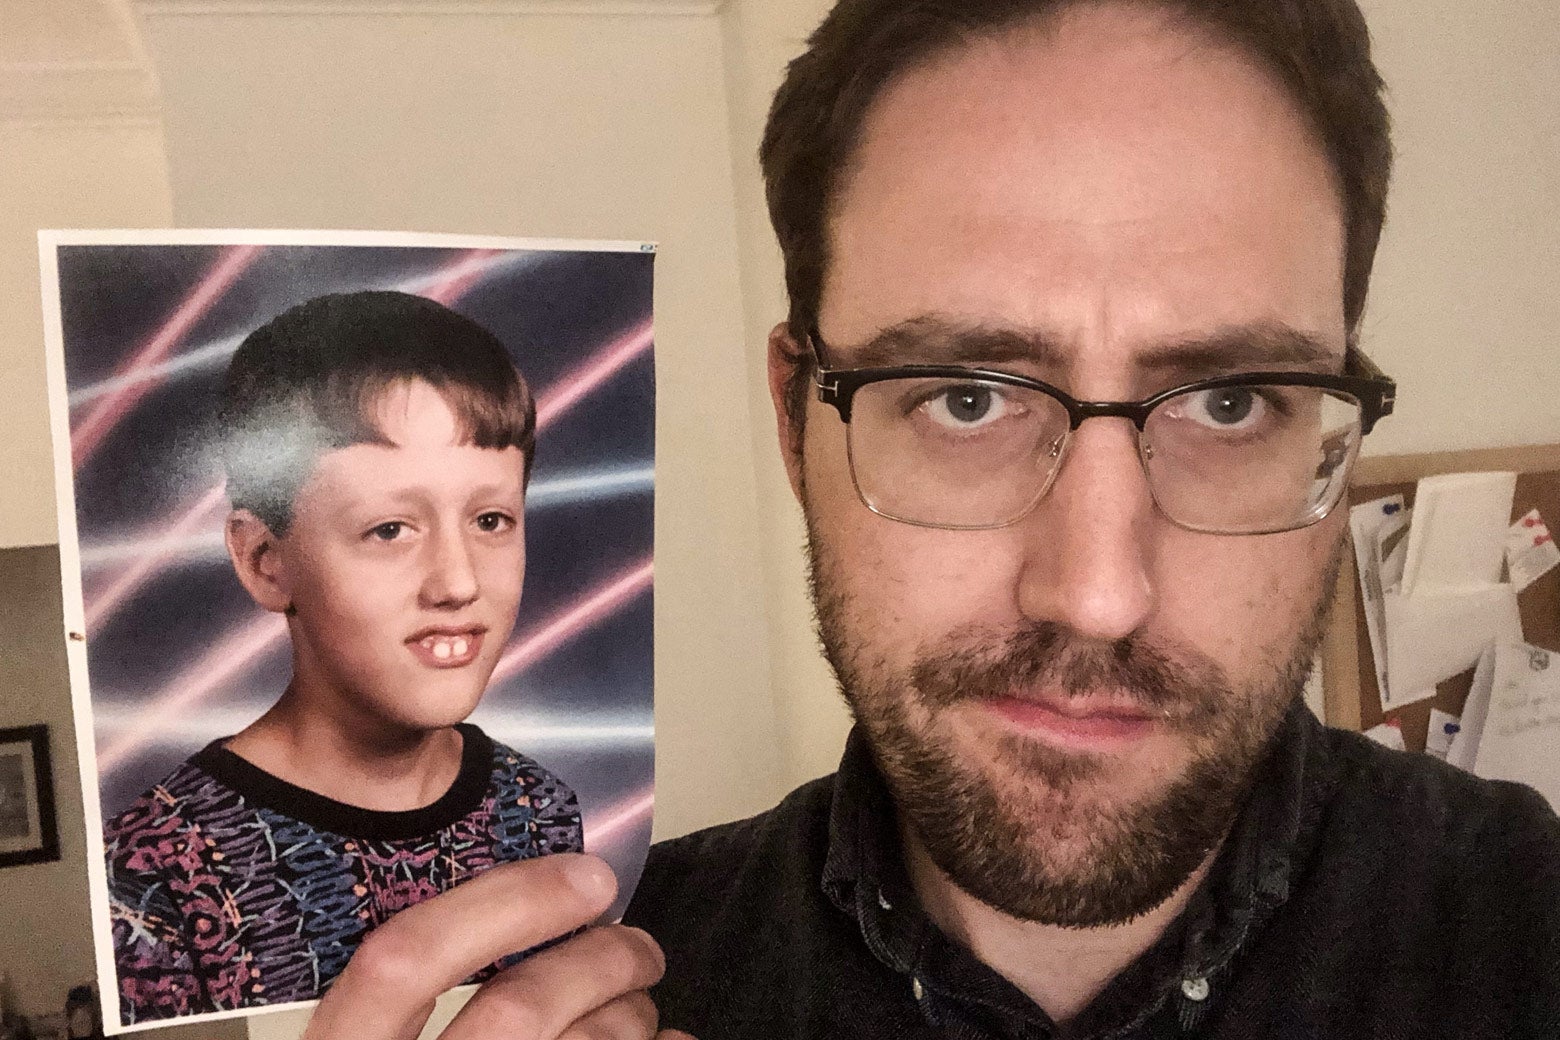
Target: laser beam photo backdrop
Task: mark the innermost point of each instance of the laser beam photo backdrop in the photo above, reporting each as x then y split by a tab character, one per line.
168	651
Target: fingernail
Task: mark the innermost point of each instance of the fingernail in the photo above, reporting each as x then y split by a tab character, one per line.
591	878
654	948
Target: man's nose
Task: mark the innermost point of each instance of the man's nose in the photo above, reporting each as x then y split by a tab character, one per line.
450	579
1088	554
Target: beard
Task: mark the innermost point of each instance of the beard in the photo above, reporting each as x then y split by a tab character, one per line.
1032	830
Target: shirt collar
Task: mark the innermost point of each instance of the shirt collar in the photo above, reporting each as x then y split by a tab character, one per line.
864	875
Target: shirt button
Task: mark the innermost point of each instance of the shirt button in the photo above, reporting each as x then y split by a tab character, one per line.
1195	989
917	990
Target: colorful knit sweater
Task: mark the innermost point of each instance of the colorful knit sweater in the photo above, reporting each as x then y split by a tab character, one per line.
230	888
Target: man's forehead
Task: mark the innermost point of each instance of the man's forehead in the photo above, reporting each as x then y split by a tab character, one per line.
1083	180
1129	65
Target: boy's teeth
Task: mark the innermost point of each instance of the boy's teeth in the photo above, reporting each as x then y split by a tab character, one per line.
446	647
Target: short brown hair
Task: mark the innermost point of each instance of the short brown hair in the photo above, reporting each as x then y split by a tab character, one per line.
1319	50
307	382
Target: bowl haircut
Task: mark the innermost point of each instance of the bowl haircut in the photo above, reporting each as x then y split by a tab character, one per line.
311	379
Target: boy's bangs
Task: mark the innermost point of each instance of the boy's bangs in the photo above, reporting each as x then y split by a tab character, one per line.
488	416
314	379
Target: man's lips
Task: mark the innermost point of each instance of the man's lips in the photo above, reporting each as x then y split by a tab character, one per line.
447	646
1087	722
1087	706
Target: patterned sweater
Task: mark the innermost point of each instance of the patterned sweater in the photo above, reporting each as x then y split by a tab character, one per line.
230	888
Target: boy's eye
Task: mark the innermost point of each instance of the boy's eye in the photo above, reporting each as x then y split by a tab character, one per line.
388	531
493	522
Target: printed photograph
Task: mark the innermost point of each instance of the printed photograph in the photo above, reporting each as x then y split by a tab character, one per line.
357	553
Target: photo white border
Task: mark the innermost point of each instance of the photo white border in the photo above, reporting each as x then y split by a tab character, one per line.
49	242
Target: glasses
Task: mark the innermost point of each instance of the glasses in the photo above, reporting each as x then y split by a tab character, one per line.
973	448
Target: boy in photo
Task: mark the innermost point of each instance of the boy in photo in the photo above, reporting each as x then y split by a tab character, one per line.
377	447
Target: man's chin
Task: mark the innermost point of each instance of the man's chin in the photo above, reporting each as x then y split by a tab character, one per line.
1051	834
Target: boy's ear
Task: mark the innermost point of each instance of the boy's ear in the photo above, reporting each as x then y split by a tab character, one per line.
786	357
257	560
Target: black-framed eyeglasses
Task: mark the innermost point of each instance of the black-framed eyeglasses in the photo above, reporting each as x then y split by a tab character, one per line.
972	448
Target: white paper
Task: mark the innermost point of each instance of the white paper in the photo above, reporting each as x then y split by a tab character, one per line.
1521	739
1458	538
1388	734
1365	521
1444	726
1531	552
1390	554
1465	743
1432	636
1392	549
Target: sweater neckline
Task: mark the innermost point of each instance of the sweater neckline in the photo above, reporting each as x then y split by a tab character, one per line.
264	790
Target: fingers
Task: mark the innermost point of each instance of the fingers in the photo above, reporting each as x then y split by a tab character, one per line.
559	989
629	1017
389	986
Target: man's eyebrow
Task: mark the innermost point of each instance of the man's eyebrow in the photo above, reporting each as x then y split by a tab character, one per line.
1258	347
934	340
931	339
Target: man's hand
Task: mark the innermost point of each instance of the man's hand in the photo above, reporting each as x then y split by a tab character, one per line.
592	986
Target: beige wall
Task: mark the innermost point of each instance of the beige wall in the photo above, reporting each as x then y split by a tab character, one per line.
80	143
1464	310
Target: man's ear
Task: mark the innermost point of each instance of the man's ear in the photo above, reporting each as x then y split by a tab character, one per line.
257	561
786	358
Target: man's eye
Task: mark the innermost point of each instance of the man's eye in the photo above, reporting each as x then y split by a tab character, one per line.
494	521
388	531
966	406
1227	408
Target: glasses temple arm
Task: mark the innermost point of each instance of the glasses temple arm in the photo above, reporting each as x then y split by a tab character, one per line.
1357	364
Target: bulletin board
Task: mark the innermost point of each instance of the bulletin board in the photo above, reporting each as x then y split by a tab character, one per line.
1349	680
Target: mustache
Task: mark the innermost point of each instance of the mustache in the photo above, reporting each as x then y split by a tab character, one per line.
1047	655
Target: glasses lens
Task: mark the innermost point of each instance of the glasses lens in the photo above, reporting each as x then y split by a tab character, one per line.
1251	459
954	452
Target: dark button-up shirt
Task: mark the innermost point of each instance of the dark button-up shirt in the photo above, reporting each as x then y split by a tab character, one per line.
1362	893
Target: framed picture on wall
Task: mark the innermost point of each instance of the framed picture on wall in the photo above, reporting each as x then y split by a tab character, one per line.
28	833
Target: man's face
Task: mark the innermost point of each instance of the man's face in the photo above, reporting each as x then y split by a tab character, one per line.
404	566
1112	187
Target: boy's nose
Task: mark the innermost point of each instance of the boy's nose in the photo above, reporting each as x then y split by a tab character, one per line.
451	579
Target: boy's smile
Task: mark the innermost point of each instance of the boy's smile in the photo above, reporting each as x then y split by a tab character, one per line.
401	571
446	646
